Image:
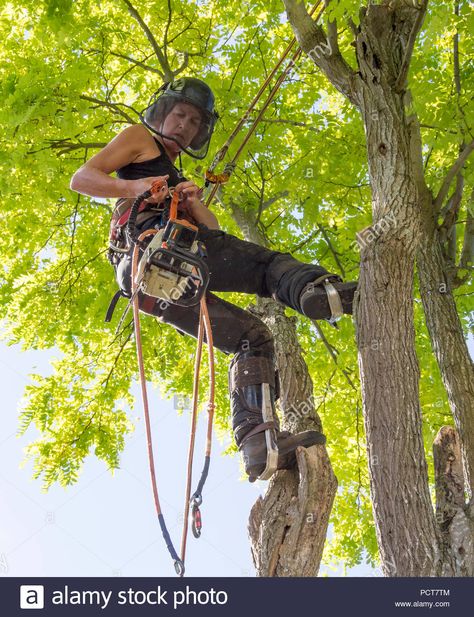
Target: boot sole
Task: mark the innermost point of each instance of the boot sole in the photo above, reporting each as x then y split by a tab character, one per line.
286	452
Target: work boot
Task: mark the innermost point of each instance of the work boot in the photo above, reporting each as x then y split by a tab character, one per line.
328	298
263	446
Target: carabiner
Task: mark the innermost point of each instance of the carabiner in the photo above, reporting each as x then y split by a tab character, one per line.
196	499
196	525
179	567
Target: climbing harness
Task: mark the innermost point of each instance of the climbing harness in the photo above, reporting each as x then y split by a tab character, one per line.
173	255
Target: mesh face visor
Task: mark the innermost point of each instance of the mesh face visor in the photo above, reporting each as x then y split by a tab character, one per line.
186	90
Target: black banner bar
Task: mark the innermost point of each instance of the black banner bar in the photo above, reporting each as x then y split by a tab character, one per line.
244	597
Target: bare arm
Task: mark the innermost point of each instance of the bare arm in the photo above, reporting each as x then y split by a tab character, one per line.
204	215
94	178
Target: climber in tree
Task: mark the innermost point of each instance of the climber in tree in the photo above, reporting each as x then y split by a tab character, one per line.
181	118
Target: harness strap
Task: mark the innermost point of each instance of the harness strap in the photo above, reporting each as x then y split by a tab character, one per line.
113	303
265	426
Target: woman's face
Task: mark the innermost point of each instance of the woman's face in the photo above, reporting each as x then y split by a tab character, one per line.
182	123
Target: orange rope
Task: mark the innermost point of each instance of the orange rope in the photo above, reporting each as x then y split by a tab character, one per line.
204	325
138	341
212	380
178	564
197	365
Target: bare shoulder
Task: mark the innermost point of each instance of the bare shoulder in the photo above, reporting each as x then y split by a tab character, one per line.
139	142
132	145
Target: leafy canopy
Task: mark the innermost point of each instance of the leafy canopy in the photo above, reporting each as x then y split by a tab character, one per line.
73	74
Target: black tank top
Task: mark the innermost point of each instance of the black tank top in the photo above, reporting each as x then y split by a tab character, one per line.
158	166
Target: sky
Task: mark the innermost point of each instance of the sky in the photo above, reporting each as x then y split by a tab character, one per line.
106	525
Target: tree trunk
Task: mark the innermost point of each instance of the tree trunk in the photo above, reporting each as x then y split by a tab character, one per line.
407	533
455	519
410	540
448	343
288	526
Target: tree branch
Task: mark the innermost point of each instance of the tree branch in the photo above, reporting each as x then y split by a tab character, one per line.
114	106
467	255
457	72
280	195
451	211
167	72
401	81
452	172
449	475
243	55
167	27
448	228
332	33
139	63
332	249
319	47
308	127
65	145
333	353
183	66
438	128
451	515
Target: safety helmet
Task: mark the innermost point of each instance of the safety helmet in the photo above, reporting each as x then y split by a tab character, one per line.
184	90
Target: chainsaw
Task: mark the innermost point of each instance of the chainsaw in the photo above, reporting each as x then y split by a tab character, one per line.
172	267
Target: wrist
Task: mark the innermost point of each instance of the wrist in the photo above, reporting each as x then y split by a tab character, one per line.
195	205
126	188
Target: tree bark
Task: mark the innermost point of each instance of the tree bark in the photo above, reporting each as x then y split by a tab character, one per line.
456	520
407	533
448	343
288	526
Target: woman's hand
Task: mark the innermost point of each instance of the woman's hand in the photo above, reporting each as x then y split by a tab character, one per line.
190	196
137	187
191	202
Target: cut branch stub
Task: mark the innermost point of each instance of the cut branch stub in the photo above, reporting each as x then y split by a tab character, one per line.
452	513
448	474
288	526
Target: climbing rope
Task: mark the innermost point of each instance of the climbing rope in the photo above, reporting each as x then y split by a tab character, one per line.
218	179
196	500
204	326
